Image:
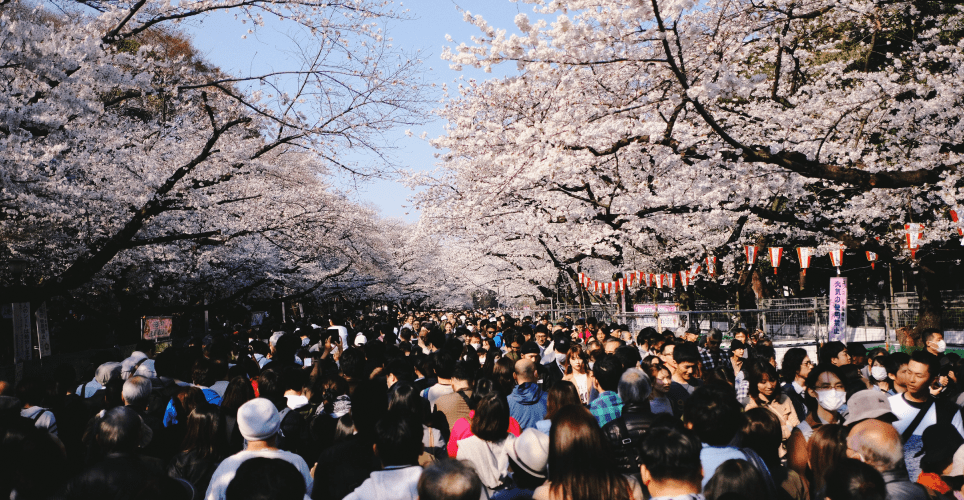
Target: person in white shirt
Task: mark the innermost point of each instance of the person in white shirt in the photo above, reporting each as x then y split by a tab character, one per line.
259	423
922	371
398	444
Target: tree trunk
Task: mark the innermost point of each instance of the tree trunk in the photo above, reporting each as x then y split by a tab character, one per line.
930	311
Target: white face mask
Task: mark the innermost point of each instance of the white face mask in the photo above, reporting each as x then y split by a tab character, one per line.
831	399
878	373
476	346
940	345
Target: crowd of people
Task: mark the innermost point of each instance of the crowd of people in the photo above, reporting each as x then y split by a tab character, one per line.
472	406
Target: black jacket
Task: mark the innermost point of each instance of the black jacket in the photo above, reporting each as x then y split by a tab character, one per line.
626	433
798	406
188	466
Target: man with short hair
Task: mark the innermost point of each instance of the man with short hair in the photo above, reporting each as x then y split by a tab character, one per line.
712	356
607	406
923	370
795	367
835	353
449	480
259	423
934	341
878	444
671	467
684	382
527	403
456	405
715	417
737	360
398	443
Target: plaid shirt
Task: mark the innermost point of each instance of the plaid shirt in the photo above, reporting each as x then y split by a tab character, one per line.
742	386
713	360
608	406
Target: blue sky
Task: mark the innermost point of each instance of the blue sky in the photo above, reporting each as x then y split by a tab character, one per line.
219	38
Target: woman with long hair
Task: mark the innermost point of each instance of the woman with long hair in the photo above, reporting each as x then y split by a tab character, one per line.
737	477
764	392
238	392
560	395
761	433
404	398
578	372
662	378
463	427
488	447
824	395
502	375
203	448
827	448
580	464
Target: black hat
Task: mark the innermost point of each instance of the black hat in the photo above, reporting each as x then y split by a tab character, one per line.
941	441
562	344
736	344
530	347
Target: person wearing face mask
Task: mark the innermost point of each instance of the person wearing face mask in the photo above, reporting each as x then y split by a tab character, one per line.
934	341
880	372
824	394
558	366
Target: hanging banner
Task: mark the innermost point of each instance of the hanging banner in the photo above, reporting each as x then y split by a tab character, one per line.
776	253
914	234
658	280
694	271
684	279
711	265
871	257
22	343
649	279
672	281
838	310
836	258
156	327
803	255
43	331
582	279
751	253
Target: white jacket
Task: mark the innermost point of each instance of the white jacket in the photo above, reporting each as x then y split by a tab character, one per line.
389	484
491	460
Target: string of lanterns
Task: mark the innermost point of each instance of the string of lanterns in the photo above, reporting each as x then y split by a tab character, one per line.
914	234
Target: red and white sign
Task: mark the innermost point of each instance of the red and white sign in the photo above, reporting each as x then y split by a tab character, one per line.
914	234
960	228
684	279
804	254
711	265
659	280
776	253
649	279
672	281
871	257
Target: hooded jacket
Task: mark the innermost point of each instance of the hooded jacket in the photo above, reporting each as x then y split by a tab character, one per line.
389	484
527	404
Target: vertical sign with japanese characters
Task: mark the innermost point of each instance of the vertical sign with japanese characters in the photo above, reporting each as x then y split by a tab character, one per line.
43	332
22	343
838	309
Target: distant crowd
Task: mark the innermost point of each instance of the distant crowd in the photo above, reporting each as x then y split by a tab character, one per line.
475	405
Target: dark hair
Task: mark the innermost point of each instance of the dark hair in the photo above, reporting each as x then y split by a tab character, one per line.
928	334
736	476
444	365
483	387
560	395
628	356
402	369
764	353
756	371
792	361
262	478
238	392
369	402
827	447
762	433
854	480
502	374
294	378
205	434
715	415
449	480
398	439
491	420
580	464
686	352
352	364
812	378
900	358
466	370
269	385
607	372
831	350
404	398
672	454
924	357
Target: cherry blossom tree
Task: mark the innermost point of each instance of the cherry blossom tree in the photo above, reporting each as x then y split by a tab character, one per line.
651	133
130	167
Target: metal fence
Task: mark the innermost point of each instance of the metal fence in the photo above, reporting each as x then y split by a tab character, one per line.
783	319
